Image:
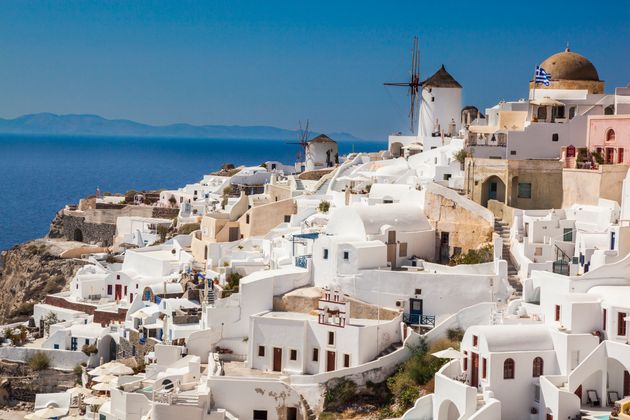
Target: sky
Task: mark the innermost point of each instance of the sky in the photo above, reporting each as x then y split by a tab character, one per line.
265	62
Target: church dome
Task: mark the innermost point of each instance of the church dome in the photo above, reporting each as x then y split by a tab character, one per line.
568	65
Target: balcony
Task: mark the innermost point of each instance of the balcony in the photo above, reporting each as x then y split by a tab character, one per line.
419	319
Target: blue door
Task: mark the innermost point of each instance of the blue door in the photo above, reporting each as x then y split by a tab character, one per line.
612	240
415	310
492	191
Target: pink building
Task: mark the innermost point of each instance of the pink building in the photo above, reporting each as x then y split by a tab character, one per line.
609	135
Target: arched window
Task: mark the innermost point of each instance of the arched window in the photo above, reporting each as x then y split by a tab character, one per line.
610	135
508	369
537	367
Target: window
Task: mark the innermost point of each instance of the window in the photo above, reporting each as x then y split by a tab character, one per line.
555	137
109	289
604	314
557	313
508	369
524	190
346	255
73	344
331	338
621	323
325	253
56	346
247	219
512	152
315	355
571	112
346	360
87	341
293	354
260	415
567	235
117	276
418	292
537	367
620	155
125	293
465	360
475	340
560	112
402	250
484	369
610	135
538	251
287	218
261	351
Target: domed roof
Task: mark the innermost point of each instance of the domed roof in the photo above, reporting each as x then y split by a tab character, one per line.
568	65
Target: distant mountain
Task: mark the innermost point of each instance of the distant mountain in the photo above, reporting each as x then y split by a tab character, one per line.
53	124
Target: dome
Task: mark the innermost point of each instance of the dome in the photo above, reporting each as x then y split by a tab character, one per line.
568	65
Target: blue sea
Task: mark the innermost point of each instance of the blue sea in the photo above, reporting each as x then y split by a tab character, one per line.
41	174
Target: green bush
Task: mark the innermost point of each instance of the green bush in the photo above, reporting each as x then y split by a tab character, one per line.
324	206
455	334
39	361
189	228
474	256
338	395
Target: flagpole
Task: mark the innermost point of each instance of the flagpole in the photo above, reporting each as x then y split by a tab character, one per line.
534	80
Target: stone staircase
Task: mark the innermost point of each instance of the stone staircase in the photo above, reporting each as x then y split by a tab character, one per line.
503	230
186	399
310	415
393	347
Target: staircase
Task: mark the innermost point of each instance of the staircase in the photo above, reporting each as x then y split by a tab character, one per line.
503	230
211	296
309	411
186	399
393	347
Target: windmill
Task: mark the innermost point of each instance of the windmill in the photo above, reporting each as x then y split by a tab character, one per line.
302	141
413	84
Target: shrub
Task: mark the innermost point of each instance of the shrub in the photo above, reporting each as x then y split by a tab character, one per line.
339	395
598	157
78	373
189	228
461	156
50	319
324	206
162	230
455	334
89	349
39	361
474	256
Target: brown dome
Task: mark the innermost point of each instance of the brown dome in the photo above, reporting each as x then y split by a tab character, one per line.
568	65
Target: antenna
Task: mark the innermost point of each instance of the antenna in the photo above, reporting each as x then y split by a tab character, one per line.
413	84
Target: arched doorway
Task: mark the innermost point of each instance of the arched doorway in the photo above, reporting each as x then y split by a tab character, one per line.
493	188
78	235
107	348
448	411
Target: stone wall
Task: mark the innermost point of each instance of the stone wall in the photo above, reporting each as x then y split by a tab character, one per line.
586	186
102	317
164	213
131	344
75	228
59	359
22	383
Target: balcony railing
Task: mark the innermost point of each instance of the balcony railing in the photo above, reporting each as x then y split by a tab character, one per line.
302	261
418	319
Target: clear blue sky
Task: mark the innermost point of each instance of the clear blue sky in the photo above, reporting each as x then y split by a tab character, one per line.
276	62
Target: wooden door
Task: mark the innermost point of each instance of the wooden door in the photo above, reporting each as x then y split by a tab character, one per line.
330	361
233	234
277	359
474	370
118	292
626	383
549	416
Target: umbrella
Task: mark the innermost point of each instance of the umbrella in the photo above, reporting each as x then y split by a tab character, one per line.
32	416
107	378
78	390
103	387
94	400
51	411
101	370
449	353
120	369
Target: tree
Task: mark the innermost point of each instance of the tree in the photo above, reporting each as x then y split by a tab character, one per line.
324	206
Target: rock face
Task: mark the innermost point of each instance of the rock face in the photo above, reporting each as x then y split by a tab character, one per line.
18	382
30	271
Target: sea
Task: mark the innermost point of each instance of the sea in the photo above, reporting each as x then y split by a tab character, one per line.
39	175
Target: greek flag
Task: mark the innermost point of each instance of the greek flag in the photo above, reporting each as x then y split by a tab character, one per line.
542	76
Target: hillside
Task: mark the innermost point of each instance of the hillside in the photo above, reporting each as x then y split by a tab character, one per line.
72	124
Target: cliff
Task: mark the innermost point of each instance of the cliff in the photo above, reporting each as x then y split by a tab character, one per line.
29	272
